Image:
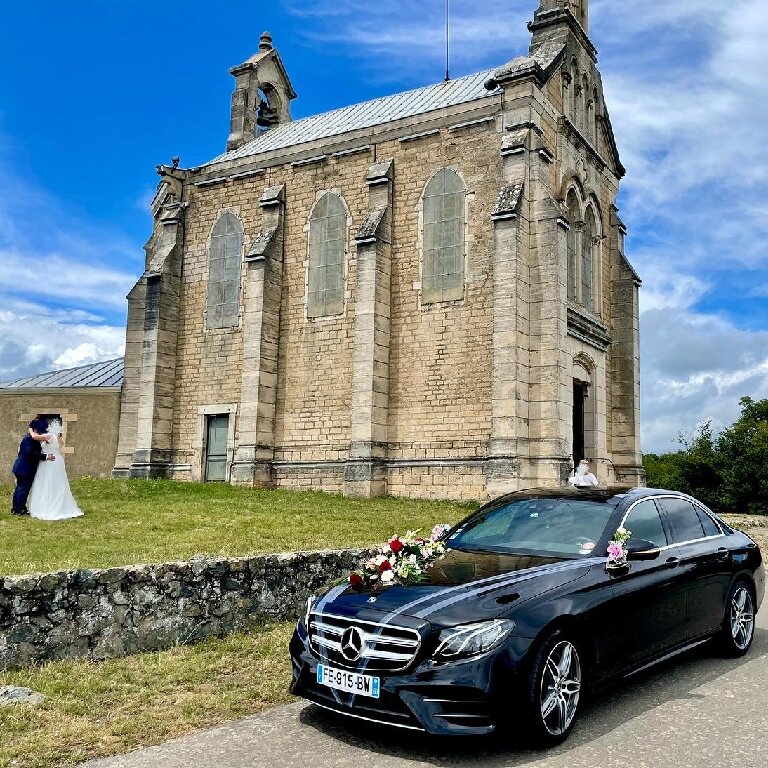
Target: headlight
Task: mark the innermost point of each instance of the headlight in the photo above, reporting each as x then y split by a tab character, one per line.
472	639
310	602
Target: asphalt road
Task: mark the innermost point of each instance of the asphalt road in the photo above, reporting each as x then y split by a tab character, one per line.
695	711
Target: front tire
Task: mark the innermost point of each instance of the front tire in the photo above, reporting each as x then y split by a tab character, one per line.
554	688
738	629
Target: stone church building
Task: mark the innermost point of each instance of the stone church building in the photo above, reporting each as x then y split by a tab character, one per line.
423	295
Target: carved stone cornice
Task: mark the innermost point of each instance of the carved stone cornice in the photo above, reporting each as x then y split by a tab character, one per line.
588	328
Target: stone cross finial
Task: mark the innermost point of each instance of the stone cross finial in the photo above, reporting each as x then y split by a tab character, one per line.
265	42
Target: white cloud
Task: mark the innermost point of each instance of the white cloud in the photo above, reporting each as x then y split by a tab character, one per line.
695	368
87	352
37	341
62	297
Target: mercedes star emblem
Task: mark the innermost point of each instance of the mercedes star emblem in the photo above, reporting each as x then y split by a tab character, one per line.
371	599
352	644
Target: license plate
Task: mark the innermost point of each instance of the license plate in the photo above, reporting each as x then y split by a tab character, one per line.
351	682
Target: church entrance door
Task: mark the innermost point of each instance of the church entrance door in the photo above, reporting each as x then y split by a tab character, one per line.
216	449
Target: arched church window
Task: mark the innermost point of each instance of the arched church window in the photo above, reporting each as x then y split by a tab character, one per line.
574	216
224	263
587	247
442	275
327	246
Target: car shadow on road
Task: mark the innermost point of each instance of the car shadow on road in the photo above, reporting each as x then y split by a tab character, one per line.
673	680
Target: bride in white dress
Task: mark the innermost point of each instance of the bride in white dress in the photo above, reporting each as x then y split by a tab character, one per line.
50	497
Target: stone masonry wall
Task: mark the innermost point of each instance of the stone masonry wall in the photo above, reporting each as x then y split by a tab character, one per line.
99	614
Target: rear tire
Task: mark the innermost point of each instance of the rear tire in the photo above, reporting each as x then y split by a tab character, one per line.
553	689
738	629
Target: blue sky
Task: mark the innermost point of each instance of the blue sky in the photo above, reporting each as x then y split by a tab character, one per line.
95	93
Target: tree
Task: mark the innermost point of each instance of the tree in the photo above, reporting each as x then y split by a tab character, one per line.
743	454
728	472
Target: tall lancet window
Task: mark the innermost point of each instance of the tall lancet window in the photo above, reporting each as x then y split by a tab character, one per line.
587	269
573	222
327	246
442	275
224	263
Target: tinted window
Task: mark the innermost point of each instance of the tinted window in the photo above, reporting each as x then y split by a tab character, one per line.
547	526
683	519
644	522
707	523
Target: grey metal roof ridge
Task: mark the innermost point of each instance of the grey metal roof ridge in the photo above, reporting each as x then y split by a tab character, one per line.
366	114
105	373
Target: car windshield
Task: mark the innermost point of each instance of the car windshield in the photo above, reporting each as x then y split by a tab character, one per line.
547	526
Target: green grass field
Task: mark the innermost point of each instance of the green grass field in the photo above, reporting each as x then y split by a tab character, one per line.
105	708
150	521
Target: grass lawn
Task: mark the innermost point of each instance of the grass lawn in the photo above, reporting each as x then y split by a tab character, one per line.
95	709
150	521
111	707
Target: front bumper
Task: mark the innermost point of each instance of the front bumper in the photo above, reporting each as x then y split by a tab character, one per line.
458	698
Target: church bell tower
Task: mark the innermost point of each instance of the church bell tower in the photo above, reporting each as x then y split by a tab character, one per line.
262	96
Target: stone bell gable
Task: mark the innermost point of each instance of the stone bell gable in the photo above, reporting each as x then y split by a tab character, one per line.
263	93
424	294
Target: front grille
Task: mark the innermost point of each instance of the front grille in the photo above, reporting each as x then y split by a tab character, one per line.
367	645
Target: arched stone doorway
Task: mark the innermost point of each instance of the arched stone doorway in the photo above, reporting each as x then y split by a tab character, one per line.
583	418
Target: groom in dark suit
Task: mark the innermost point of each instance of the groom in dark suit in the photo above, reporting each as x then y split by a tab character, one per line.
26	464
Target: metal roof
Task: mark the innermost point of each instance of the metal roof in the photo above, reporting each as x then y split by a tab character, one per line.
105	374
366	115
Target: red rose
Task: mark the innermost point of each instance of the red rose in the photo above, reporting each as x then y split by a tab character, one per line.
355	579
385	566
396	545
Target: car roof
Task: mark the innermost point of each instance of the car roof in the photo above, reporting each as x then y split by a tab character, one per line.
609	493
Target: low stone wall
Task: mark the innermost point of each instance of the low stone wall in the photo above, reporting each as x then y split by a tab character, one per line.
117	611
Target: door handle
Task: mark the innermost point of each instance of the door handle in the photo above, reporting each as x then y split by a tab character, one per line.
673	561
722	553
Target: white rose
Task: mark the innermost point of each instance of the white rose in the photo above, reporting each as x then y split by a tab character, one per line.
387	576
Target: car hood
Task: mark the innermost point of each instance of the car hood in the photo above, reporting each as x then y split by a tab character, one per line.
461	587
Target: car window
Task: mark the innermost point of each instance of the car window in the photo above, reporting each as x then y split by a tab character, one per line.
707	523
551	526
683	520
644	522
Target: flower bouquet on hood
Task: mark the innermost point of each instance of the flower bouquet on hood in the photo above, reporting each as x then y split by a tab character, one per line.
402	560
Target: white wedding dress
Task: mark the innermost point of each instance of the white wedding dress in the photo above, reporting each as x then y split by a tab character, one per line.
50	497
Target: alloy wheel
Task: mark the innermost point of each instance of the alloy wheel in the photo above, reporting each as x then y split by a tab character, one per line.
560	687
742	617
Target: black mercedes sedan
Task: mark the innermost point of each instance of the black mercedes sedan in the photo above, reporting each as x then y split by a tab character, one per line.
526	611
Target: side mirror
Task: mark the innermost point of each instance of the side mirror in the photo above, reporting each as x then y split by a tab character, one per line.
641	549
